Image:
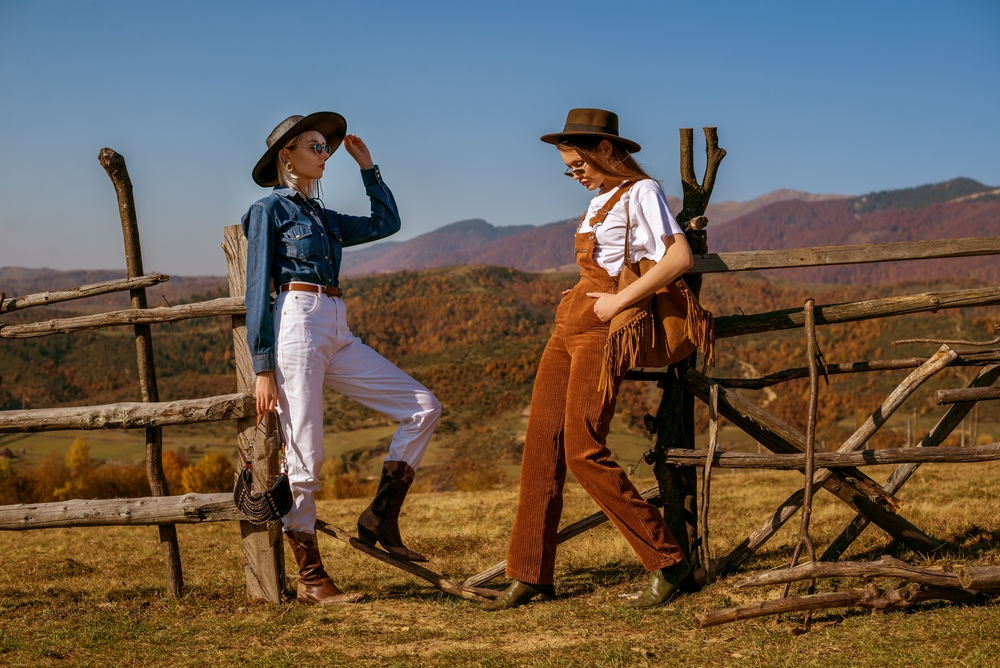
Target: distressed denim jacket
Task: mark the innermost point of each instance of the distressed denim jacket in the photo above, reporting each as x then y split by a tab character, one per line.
291	238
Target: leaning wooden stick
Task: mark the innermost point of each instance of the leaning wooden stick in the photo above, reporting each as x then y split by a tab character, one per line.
439	581
713	442
571	531
871	597
886	567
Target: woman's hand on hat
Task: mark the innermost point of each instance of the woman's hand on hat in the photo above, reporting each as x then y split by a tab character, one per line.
267	392
606	305
356	147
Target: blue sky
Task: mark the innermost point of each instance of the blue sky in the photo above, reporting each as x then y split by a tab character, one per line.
837	97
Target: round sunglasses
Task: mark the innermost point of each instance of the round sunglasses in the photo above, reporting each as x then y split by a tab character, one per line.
319	148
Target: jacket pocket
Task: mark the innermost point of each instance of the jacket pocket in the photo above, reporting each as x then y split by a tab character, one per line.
299	242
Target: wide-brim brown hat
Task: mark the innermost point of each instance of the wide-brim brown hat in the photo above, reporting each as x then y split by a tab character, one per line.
330	124
591	123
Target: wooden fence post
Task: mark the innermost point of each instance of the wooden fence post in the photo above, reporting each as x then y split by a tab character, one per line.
675	416
114	165
263	552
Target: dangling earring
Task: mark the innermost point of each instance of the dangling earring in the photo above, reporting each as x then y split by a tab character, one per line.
288	167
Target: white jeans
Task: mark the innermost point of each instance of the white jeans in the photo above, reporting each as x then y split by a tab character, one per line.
315	349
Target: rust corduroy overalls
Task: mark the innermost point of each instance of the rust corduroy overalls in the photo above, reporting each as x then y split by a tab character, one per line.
568	425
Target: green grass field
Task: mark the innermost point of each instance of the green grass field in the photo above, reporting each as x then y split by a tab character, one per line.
95	597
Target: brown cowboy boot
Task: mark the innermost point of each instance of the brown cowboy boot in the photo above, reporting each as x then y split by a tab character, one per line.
315	586
380	520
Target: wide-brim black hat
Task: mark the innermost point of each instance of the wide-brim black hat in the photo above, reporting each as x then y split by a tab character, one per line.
591	123
328	123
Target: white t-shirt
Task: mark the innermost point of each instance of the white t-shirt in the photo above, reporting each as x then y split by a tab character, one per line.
650	221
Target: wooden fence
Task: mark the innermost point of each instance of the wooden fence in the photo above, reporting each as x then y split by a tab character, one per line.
675	460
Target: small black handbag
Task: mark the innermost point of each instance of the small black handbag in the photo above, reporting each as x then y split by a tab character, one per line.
273	504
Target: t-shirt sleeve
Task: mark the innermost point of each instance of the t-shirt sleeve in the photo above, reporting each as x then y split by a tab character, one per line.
651	221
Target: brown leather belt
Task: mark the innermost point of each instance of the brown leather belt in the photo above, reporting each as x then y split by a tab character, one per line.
328	290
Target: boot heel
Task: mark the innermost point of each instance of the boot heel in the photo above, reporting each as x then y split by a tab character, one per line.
367	536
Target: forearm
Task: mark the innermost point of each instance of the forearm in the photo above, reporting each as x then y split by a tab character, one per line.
674	263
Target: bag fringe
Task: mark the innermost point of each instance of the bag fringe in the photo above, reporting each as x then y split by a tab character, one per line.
623	348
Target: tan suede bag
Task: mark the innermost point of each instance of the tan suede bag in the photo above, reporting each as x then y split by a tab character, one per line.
658	330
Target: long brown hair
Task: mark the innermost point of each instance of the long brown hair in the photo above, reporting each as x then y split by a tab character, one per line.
619	164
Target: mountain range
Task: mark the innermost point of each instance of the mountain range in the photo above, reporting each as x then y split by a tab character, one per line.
960	207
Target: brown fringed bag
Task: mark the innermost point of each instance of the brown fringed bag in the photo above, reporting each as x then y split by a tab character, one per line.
660	329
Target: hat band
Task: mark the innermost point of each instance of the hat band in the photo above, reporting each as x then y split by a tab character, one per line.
580	127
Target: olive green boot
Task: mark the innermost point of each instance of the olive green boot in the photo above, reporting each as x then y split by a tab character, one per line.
520	593
664	584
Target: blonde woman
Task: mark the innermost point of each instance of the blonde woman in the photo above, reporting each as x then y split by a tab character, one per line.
303	344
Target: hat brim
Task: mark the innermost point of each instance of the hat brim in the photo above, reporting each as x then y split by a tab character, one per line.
330	124
557	137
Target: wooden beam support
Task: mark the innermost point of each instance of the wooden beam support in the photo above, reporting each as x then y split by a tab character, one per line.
947	424
263	546
831	460
826	256
144	317
967	394
886	567
444	584
129	415
114	165
81	292
158	510
740	325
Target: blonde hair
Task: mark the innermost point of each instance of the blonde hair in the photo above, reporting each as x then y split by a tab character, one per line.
309	188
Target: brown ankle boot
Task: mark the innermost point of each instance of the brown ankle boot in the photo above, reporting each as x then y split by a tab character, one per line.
380	520
315	586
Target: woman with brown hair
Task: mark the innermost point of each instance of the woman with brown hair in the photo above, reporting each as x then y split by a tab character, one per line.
570	410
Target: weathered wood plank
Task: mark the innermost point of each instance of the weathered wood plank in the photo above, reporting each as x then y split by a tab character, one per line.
145	316
263	547
983	578
967	394
186	509
81	292
740	325
870	597
824	256
129	415
886	567
829	460
436	579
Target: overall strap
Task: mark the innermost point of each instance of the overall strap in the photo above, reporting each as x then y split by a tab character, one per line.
603	212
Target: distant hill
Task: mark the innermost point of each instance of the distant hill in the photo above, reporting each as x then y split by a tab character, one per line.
524	247
793	224
914	198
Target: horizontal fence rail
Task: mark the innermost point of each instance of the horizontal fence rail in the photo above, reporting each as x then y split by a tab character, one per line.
828	314
187	509
977	358
967	394
81	292
829	460
149	316
822	256
129	415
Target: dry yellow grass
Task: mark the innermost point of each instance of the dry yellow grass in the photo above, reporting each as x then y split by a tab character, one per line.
95	597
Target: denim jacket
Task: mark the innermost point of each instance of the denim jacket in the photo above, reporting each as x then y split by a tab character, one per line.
291	238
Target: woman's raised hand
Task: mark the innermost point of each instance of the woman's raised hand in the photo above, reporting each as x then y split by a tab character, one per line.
356	147
267	392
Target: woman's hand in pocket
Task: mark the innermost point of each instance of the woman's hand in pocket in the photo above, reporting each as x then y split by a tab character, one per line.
606	307
267	392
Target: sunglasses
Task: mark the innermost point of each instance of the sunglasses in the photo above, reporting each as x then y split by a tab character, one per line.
318	147
573	171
